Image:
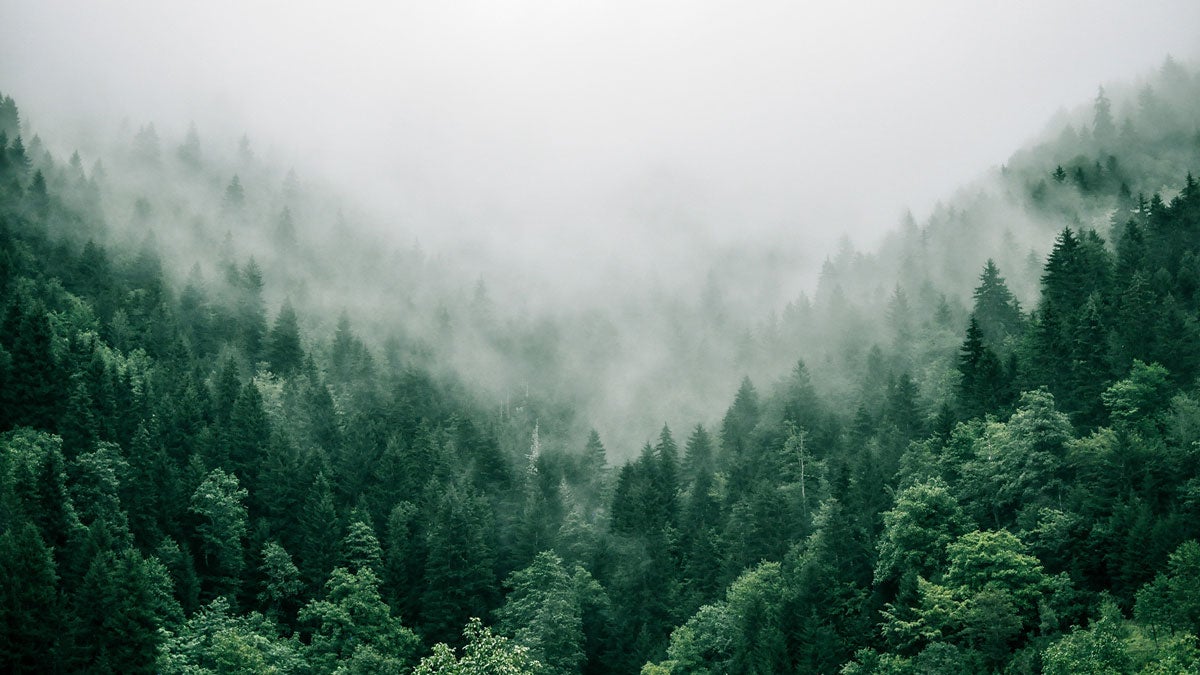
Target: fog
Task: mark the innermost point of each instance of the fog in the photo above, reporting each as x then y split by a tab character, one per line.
570	153
560	126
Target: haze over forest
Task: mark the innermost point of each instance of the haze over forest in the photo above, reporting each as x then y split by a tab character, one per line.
596	156
600	337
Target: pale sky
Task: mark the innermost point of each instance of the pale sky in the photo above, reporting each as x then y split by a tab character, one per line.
560	123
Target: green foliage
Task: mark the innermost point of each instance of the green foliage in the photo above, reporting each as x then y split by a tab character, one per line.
989	598
360	548
1172	600
742	634
483	654
218	504
996	310
916	532
1099	649
215	640
284	352
1138	402
282	585
30	611
124	601
459	581
353	617
543	613
162	446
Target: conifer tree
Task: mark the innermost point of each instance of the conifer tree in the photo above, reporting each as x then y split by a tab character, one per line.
222	528
459	581
996	310
983	385
31	620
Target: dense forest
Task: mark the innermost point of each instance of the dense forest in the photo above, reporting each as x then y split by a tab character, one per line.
238	435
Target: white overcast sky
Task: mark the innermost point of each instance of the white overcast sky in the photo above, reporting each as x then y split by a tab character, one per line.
544	120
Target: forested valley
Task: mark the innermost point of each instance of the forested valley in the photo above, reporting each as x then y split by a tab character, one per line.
240	433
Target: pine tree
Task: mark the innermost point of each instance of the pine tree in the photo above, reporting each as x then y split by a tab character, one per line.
31	620
698	454
222	528
123	604
996	310
1103	128
235	196
281	582
251	314
247	436
542	612
284	352
983	387
459	581
320	530
360	548
667	483
34	394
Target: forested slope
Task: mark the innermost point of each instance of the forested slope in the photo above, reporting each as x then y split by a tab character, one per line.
215	471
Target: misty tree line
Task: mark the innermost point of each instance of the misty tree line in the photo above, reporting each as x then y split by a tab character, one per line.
192	483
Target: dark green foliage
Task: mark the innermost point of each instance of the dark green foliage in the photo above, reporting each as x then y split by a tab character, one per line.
123	601
985	384
217	503
543	612
284	352
996	310
34	393
459	582
31	618
352	619
251	315
185	488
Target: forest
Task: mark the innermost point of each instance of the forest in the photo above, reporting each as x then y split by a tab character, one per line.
239	434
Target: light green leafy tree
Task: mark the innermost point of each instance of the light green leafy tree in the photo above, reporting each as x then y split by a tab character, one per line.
916	531
216	640
542	612
353	617
1098	650
484	654
282	580
742	634
991	597
218	503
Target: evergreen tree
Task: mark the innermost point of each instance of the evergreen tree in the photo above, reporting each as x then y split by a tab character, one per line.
34	394
319	531
459	581
251	315
235	196
360	548
983	386
284	352
543	613
996	310
353	627
1103	128
281	582
30	606
222	528
698	454
124	602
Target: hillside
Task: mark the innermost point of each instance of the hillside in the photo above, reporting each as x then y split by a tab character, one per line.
241	431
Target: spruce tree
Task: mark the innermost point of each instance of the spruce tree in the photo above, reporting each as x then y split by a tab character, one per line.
996	310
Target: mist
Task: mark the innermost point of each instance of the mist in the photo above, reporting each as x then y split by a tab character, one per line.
587	160
535	124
